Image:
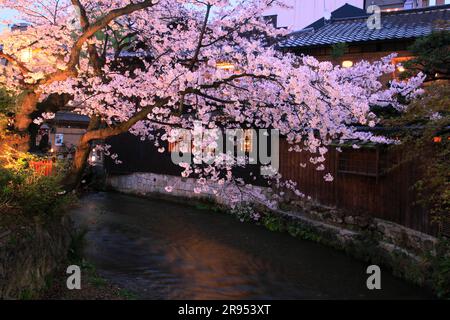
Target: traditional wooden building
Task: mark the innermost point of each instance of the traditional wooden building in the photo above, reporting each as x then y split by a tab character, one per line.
346	38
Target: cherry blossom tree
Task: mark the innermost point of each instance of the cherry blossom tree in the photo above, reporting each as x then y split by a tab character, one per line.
155	67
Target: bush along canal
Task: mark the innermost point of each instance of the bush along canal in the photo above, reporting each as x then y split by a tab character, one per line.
160	250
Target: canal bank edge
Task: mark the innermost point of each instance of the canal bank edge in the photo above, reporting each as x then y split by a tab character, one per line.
30	257
411	255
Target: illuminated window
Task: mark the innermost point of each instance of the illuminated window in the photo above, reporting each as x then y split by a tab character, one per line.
26	55
182	144
437	139
225	66
347	64
399	68
247	146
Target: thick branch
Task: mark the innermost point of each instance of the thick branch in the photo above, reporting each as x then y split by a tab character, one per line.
94	58
104	133
75	52
15	62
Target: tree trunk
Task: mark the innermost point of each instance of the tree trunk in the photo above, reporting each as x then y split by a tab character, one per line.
73	179
27	105
19	139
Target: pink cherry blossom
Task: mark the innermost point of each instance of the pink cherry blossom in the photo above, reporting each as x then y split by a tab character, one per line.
162	70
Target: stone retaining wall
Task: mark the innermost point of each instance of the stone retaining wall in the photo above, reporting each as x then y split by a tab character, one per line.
28	257
151	184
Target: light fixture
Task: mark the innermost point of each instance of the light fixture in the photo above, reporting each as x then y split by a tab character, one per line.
93	158
225	66
347	64
26	55
401	69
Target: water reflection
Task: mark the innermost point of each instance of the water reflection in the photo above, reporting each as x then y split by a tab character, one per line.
161	250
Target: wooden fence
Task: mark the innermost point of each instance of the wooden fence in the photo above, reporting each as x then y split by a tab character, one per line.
368	181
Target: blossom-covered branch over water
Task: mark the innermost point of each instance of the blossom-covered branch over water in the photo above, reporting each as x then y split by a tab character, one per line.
154	67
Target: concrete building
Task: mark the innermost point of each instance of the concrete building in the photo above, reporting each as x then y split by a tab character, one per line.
395	5
300	13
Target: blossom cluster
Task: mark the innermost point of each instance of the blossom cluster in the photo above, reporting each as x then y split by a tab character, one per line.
212	62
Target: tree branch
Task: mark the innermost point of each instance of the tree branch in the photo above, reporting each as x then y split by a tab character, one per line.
200	39
104	133
75	52
15	62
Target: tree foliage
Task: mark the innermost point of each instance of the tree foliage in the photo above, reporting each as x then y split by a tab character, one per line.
7	102
431	56
338	50
155	67
426	140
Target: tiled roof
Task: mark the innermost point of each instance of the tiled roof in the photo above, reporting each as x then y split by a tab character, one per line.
404	24
66	116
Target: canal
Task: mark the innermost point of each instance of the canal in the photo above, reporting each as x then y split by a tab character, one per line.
161	250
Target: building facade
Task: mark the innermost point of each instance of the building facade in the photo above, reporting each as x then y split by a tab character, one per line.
300	13
398	31
395	5
297	14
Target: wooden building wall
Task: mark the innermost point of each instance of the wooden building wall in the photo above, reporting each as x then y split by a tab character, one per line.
368	181
142	156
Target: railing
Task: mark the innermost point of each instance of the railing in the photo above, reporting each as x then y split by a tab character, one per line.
43	168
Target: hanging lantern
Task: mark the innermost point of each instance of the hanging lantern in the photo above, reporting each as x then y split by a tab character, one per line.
347	64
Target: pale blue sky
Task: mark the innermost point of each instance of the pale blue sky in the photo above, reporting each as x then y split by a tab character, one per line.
5	14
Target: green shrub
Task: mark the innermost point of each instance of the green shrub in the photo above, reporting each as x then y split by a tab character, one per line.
441	269
273	223
245	212
302	232
77	245
41	196
21	189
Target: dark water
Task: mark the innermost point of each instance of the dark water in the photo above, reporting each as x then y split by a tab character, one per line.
160	250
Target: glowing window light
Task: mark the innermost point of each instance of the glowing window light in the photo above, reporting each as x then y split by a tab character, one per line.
248	141
26	55
437	139
347	64
225	66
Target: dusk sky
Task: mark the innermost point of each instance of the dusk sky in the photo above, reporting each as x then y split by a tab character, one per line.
5	14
